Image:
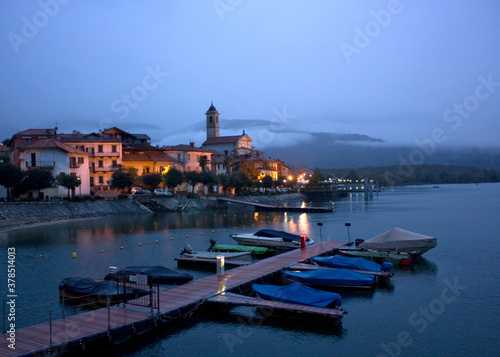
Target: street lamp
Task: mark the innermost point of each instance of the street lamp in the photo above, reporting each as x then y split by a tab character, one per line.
348	233
320	235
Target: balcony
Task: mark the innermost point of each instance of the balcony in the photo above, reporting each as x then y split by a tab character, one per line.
105	154
40	164
75	165
103	169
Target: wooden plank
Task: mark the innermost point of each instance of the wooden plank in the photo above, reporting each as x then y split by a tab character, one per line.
235	299
90	324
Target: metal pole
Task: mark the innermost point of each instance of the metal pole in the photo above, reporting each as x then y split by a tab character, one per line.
320	234
108	307
63	316
50	328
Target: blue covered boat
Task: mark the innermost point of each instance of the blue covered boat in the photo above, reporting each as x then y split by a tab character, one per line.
296	293
340	278
340	261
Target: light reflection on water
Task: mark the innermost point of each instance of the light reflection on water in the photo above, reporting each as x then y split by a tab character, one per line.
459	215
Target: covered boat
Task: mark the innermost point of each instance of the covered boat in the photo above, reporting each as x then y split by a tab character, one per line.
156	274
400	240
271	238
340	278
297	294
190	253
90	290
340	261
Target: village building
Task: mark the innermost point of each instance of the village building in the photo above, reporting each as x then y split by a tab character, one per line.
148	160
105	155
57	157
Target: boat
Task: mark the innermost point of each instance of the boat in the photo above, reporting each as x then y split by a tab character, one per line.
272	238
397	246
156	274
190	253
353	263
257	251
90	290
332	278
297	293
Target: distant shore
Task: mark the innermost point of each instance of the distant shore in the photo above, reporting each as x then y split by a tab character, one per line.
20	215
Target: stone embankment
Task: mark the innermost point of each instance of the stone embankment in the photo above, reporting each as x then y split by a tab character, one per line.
15	214
19	214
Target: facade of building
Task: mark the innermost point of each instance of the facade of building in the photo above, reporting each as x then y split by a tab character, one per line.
148	160
25	137
54	156
105	154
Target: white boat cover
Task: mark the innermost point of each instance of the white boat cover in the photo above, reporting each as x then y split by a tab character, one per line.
400	240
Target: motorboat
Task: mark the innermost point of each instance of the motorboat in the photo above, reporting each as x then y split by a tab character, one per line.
255	250
272	238
397	246
93	291
188	252
331	278
155	274
353	263
297	293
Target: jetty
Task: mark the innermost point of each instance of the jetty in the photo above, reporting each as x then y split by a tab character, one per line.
280	208
120	323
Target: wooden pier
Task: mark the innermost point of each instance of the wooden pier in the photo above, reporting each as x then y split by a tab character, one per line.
264	207
120	323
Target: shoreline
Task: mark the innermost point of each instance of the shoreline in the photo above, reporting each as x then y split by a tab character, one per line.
11	222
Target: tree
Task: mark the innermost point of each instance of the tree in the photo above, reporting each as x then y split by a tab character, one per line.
152	180
173	178
267	182
10	176
192	178
68	181
224	180
37	180
316	177
203	161
207	178
239	181
228	163
248	168
122	178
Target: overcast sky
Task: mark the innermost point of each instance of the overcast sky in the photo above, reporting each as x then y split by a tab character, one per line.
400	71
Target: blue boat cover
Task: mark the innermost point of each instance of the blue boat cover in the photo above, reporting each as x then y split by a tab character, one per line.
88	286
157	274
271	233
339	261
330	277
297	294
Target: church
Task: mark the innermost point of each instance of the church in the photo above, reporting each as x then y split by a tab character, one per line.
238	149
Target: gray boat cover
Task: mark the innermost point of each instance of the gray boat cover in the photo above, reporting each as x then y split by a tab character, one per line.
400	240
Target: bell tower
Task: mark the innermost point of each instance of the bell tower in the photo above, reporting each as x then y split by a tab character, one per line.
212	122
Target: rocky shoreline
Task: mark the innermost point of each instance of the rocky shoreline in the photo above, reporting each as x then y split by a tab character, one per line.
16	215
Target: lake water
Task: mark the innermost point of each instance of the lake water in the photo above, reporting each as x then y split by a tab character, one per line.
448	305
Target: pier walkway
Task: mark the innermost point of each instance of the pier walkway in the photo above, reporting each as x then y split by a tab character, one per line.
264	207
118	323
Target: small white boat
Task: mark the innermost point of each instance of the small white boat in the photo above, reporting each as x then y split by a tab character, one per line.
271	238
188	252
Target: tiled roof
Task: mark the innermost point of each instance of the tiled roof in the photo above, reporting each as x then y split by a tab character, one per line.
222	140
36	132
147	156
88	138
53	144
185	147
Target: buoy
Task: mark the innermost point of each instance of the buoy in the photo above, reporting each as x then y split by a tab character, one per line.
212	231
172	238
140	244
186	235
41	255
121	247
223	229
73	255
201	233
102	251
156	241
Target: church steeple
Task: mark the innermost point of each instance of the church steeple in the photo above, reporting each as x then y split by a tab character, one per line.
212	121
